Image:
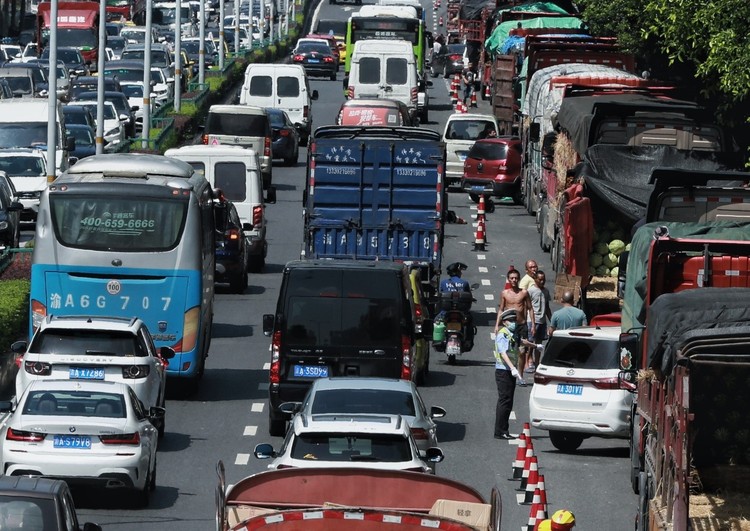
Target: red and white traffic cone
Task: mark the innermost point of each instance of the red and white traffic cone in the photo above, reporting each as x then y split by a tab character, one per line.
534	512
454	93
527	463
440	21
479	240
542	497
480	208
526	427
487	93
533	463
531	525
532	482
520	457
464	109
473	98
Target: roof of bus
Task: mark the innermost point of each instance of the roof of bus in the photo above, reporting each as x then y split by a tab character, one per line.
132	165
386	11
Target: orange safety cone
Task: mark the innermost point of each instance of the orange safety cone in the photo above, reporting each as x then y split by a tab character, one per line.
481	208
531	524
526	426
479	240
533	518
527	471
542	496
464	110
527	463
520	457
473	98
440	21
531	484
487	93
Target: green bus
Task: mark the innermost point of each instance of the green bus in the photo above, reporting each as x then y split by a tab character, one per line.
386	27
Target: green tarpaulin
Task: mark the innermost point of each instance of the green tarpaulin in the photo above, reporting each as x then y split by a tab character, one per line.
500	33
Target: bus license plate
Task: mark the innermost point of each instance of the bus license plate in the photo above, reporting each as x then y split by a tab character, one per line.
569	389
310	371
86	373
80	442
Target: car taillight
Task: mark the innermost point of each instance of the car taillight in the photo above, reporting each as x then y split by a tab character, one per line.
606	383
267	147
299	57
38	313
414	93
541	379
123	438
232	235
419	434
25	436
419	319
328	59
405	357
257	216
306	111
204	139
284	132
274	372
37	368
456	57
134	372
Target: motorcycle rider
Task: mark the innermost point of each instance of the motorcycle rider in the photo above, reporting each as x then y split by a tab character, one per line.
454	283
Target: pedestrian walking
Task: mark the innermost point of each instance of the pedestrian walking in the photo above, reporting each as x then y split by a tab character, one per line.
467	76
568	316
529	278
506	373
540	298
515	298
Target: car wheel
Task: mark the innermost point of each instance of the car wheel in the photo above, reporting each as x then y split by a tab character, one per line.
256	263
144	494
518	198
239	282
332	77
291	161
162	427
276	427
445	71
565	441
425	115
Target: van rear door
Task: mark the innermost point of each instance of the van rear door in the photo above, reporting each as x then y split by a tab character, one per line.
246	130
241	184
289	97
368	82
397	80
260	89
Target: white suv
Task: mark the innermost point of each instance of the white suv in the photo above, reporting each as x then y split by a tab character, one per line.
461	131
337	440
96	348
27	169
576	391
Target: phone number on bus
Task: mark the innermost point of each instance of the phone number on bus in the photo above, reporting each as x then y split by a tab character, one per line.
119	223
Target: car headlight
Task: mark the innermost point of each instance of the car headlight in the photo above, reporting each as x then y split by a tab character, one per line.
3	225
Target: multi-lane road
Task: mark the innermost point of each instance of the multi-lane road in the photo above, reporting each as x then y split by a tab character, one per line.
229	415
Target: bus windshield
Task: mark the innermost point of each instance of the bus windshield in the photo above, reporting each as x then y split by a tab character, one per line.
118	223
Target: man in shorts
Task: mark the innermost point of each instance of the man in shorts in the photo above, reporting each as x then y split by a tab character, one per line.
515	298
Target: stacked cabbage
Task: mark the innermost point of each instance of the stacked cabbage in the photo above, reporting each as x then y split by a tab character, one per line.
609	244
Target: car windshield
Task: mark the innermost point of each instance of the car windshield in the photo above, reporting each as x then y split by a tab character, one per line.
75	403
351	447
276	118
21	166
72	342
116	43
133	91
380	401
27	512
158	57
488	151
109	110
338	27
83	136
20	85
66	56
581	353
125	74
133	35
23	134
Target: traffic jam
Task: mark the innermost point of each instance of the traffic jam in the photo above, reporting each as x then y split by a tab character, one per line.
443	264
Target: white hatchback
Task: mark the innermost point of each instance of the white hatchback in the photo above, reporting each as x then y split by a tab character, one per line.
576	391
96	348
87	433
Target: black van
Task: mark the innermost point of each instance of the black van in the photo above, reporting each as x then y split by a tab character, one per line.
338	318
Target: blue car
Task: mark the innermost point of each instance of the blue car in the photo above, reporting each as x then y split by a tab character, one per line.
84	136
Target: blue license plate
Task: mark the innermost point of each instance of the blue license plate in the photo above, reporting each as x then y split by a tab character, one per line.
79	442
477	188
313	60
310	371
569	389
86	373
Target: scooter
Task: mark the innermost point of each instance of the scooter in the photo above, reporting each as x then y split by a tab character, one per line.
451	324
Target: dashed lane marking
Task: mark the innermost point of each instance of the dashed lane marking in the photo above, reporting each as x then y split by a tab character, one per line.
490	309
257	407
267	366
489	297
250	431
481	257
483	269
486	282
242	459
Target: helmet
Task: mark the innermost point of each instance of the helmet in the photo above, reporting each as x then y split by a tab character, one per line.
563	520
544	525
455	268
509	315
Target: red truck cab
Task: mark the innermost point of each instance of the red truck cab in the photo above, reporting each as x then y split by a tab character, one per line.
77	26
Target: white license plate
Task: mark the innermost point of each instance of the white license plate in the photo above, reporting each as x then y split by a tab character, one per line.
86	373
453	349
569	389
310	371
80	442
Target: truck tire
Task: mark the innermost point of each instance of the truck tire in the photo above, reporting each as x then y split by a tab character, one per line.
641	521
565	441
543	240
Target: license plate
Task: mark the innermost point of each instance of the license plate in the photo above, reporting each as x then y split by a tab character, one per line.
453	327
86	373
453	349
313	60
80	442
461	156
569	389
310	371
477	188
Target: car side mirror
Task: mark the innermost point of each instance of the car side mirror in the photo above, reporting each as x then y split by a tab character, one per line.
264	451
90	526
156	413
19	347
70	143
434	455
535	132
437	412
124	117
166	353
268	322
72	160
15	206
6	405
271	195
314	95
247	226
135	108
628	349
429	83
290	408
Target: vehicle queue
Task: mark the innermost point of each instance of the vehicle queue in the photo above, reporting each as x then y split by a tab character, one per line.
118	225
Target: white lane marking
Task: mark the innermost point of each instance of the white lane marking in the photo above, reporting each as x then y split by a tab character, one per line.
489	297
486	282
242	459
257	407
481	257
267	366
512	415
483	269
472	207
490	309
250	431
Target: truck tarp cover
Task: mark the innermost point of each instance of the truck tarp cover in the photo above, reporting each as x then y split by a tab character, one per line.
495	41
634	309
673	315
619	175
579	116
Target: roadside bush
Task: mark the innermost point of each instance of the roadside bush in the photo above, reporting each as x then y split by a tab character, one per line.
14	310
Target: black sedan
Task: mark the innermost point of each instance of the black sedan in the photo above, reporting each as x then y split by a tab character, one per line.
449	60
85	143
284	136
232	255
317	58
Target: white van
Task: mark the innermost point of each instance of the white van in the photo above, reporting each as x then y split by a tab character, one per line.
236	171
282	87
384	69
23	123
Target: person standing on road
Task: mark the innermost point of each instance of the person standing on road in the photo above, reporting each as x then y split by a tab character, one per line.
506	373
568	316
467	76
529	278
540	298
515	298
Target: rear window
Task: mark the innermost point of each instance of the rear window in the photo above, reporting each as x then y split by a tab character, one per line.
369	70
287	87
75	403
329	307
396	71
467	129
230	177
253	125
489	151
378	401
199	168
261	86
578	353
65	342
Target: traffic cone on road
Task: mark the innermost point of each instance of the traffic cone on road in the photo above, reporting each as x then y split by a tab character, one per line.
479	239
473	98
440	21
464	110
480	208
527	462
531	484
532	461
454	93
531	525
487	93
520	457
526	426
542	497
